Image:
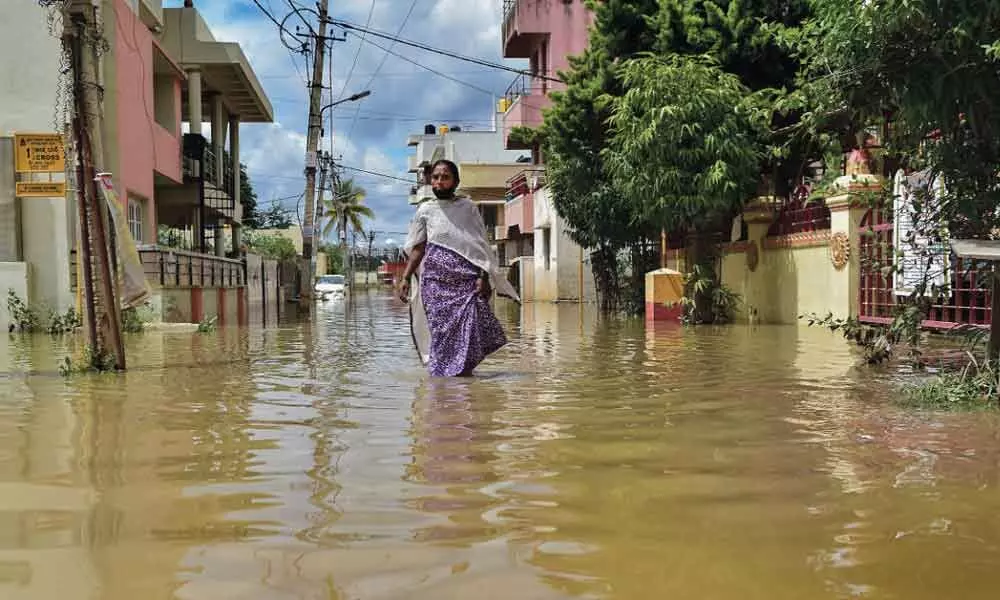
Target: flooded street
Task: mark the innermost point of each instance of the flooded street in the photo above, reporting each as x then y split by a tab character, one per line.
586	460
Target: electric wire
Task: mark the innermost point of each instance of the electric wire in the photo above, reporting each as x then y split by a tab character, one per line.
357	53
479	61
381	64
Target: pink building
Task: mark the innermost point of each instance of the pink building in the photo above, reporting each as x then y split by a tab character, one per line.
547	33
162	68
545	263
166	70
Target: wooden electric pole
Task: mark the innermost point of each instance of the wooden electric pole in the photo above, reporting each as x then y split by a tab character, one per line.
82	38
312	159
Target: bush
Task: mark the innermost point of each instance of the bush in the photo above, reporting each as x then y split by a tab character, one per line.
273	247
974	387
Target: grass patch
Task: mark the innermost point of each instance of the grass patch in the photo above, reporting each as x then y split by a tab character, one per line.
975	387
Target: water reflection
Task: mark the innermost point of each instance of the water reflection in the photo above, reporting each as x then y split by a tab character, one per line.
590	459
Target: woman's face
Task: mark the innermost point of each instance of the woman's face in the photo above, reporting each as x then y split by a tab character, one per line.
442	179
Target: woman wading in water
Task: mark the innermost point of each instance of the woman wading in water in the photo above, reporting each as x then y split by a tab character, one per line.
456	270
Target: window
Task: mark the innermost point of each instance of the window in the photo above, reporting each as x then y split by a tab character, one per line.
136	217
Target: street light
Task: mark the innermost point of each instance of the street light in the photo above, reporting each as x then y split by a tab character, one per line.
353	98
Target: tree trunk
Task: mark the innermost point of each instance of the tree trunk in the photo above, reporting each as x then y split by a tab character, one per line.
604	262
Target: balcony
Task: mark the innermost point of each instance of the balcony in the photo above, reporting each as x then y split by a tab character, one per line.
525	25
225	69
526	98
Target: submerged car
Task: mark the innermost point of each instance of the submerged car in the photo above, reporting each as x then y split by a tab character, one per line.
330	285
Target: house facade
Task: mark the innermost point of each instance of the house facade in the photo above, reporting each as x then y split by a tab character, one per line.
174	103
548	265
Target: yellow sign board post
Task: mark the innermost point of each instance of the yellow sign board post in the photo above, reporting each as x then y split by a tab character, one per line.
40	189
39	153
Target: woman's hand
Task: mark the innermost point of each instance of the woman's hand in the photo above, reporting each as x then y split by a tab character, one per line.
483	287
404	291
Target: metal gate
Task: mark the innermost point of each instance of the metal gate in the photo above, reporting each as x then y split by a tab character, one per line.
876	300
966	303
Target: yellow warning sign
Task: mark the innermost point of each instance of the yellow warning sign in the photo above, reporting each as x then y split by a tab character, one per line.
39	153
39	189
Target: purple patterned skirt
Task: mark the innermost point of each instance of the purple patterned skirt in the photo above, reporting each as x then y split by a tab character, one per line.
463	328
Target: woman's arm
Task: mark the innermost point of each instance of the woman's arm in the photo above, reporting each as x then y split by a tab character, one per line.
412	264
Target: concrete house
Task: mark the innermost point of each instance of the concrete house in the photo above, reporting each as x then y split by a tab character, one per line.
163	73
549	265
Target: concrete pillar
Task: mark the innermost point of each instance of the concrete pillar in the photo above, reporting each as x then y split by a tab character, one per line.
220	241
237	236
234	153
846	213
195	117
757	295
218	138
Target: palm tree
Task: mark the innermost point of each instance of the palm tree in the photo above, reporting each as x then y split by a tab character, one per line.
345	210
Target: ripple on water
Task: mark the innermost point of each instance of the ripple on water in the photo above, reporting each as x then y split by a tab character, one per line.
589	459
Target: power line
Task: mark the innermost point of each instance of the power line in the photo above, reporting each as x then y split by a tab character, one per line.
425	67
409	181
281	31
267	13
383	74
298	11
371	11
385	57
479	61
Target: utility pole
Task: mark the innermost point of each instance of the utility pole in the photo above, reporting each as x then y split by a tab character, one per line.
312	159
368	267
81	36
324	168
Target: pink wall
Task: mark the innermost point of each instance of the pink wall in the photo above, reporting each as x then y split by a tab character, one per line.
565	23
143	145
547	32
167	156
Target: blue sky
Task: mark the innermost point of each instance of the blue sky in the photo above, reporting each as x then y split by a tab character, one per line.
370	134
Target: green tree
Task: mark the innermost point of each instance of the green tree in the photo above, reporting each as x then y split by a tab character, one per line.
574	133
248	198
344	211
275	247
275	217
686	150
752	40
334	257
930	68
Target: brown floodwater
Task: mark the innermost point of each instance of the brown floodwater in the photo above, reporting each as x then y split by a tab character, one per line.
587	460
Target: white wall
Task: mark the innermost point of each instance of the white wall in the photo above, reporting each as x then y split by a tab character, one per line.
29	80
561	279
29	70
13	276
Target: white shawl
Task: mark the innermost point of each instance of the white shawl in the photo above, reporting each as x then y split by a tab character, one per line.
458	226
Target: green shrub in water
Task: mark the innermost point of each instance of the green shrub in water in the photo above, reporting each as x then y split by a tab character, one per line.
975	387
